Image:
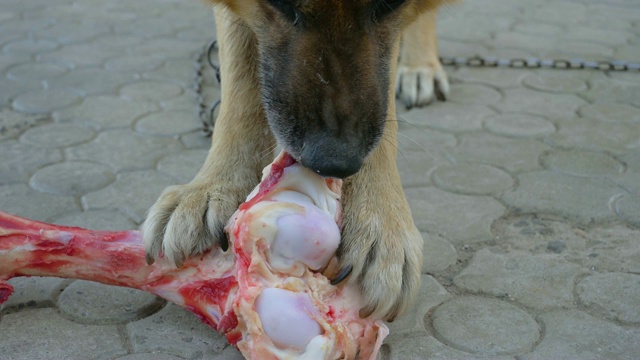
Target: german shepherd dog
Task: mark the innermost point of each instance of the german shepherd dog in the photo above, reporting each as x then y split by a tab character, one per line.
319	78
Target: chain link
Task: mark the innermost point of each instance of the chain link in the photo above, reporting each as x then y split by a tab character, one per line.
207	114
535	63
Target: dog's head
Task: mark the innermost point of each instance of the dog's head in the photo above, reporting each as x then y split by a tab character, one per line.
325	68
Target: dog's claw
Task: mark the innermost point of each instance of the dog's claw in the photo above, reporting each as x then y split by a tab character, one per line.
343	274
150	259
365	312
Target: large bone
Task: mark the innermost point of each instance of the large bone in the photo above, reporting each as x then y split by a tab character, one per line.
263	294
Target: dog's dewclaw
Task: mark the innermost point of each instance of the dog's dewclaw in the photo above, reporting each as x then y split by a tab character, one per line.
264	293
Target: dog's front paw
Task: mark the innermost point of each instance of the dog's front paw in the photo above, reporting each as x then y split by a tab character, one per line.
187	220
418	86
383	249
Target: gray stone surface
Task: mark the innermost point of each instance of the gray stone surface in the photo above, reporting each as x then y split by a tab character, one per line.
536	281
472	179
459	218
523	183
595	292
563	195
577	335
41	334
87	302
175	331
72	178
485	326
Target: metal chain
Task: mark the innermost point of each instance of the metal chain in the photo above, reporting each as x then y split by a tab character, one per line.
535	63
207	114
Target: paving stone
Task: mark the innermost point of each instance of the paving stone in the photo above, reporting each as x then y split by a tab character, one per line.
19	160
195	140
13	123
608	90
177	71
175	331
106	111
102	81
577	335
124	150
538	28
459	218
93	53
582	163
9	89
588	134
72	178
35	72
150	356
168	123
485	326
509	154
427	347
52	337
132	192
23	201
134	63
29	47
32	292
69	33
88	302
611	112
555	83
431	295
97	220
518	125
628	208
618	294
472	179
501	78
45	101
438	253
151	91
538	281
598	35
57	135
183	165
187	100
451	117
474	94
578	199
549	106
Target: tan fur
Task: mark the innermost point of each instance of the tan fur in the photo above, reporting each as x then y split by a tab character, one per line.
380	240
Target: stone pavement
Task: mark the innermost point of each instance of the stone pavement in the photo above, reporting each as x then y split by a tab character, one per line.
526	183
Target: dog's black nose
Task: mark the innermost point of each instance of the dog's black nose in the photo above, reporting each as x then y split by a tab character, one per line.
335	161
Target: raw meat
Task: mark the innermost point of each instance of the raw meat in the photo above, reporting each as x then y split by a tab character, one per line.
265	293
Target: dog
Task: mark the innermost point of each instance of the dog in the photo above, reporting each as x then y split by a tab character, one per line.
319	78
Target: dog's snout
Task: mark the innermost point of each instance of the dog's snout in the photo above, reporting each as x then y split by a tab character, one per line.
332	159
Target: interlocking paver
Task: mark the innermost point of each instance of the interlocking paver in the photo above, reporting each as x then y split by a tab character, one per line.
19	160
518	125
57	135
577	335
87	302
472	179
53	337
564	195
525	182
538	281
114	148
582	163
72	178
459	218
175	331
485	326
106	111
595	291
147	186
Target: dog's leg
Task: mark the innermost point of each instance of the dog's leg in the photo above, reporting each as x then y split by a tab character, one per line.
188	219
420	76
380	241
